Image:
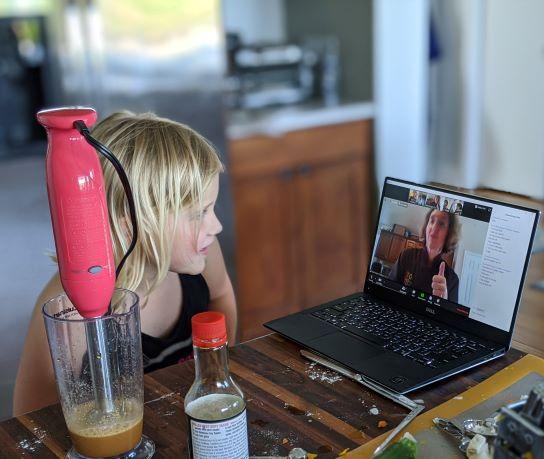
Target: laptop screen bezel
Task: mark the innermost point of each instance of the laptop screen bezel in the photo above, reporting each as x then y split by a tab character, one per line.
465	324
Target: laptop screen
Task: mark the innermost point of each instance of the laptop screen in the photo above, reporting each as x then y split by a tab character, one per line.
452	251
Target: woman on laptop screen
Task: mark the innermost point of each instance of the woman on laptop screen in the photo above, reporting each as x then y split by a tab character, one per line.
426	268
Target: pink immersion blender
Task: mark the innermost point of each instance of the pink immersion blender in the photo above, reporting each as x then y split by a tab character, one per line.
79	215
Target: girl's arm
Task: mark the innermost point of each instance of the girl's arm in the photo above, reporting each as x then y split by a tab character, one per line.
35	384
221	292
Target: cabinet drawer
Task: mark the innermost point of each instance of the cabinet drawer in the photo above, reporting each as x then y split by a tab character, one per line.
262	155
334	141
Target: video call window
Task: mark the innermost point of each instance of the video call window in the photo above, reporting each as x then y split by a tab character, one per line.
431	243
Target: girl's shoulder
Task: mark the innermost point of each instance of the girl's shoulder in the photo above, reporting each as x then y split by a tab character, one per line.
52	289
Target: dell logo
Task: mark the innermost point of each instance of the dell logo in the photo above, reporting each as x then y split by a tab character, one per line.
430	311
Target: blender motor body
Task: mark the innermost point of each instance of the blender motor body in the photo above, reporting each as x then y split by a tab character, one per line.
79	213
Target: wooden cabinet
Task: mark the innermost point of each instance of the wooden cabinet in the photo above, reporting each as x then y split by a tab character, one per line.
302	213
398	244
390	246
265	253
332	218
384	244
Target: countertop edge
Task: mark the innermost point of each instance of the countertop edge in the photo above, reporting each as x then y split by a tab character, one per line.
286	120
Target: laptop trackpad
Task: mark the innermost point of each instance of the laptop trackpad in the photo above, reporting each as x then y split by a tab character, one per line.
301	327
345	349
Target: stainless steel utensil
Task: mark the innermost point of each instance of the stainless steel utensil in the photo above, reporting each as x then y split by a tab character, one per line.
402	400
486	427
449	427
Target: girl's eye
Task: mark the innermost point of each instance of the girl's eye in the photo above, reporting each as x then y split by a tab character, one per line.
200	215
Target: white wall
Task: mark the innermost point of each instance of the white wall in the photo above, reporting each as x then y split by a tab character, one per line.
255	21
473	234
487	95
513	116
401	38
455	92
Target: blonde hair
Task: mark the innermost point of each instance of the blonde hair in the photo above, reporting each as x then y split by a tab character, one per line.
169	167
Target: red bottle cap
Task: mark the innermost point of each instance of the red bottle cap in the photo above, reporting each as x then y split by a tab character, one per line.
209	329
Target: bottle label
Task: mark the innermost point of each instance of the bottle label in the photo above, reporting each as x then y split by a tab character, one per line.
225	439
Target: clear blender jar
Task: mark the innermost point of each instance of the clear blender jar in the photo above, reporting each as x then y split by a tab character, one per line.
104	415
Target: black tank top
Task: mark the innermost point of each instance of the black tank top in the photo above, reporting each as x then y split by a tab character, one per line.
178	346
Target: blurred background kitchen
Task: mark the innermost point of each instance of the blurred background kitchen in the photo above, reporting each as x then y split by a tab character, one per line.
311	103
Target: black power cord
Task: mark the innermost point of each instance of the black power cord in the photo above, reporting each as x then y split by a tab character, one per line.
104	151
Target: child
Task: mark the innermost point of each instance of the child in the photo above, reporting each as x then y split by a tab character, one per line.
176	268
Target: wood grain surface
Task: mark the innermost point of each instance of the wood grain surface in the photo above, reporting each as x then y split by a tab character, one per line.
289	401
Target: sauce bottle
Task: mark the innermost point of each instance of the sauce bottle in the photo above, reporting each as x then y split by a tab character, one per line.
214	405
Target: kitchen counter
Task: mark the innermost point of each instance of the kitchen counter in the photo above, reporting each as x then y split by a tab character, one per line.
278	121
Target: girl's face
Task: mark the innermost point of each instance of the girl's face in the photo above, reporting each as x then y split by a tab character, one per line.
189	250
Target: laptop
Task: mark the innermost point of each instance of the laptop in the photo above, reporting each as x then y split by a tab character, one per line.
441	293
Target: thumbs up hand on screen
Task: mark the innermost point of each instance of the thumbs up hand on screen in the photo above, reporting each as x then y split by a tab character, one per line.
439	285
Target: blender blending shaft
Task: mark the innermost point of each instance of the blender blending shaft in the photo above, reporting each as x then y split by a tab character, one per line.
99	365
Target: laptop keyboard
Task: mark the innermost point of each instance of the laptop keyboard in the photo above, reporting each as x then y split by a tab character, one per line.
404	334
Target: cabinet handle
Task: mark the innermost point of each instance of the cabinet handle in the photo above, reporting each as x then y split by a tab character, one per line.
287	174
305	169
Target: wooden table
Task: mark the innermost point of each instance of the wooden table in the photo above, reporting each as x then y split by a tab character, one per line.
290	403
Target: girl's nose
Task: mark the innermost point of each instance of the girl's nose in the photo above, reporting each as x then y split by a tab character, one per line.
215	226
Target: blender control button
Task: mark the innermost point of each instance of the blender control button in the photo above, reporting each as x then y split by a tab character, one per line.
95	269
